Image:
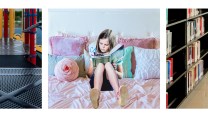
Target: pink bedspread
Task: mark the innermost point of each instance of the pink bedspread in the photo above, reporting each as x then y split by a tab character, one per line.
75	94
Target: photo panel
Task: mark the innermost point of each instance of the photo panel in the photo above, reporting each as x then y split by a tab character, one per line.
20	58
186	58
104	58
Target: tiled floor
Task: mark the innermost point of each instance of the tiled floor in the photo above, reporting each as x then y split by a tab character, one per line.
198	97
11	47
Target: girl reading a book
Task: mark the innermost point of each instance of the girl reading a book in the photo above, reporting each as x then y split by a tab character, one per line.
105	76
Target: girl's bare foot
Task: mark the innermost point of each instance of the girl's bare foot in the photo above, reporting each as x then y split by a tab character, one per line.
123	95
94	97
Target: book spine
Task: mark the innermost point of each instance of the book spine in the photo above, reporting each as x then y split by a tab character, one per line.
166	99
171	69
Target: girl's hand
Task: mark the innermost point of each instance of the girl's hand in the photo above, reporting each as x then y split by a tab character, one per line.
114	66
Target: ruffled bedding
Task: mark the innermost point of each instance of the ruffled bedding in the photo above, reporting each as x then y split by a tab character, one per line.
75	94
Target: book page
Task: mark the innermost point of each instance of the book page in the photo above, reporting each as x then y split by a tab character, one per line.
118	46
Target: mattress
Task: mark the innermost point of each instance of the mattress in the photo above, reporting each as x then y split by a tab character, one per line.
75	94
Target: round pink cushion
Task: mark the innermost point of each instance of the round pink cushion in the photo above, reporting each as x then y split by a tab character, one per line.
66	70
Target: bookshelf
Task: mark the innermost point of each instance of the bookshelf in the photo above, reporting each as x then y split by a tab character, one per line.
187	48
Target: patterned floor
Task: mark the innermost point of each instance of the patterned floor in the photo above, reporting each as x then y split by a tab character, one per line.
21	88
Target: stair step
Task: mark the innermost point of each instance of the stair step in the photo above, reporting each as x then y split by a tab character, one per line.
20	91
20	71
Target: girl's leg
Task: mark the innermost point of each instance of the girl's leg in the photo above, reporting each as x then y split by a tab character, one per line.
112	76
98	81
121	92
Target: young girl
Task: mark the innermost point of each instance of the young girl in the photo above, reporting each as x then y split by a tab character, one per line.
105	76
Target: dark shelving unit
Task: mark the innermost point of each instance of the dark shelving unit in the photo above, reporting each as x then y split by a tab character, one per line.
177	24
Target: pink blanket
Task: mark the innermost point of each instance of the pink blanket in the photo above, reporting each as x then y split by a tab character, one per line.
142	94
66	70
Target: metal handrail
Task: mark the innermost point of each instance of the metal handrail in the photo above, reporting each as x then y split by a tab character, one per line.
33	26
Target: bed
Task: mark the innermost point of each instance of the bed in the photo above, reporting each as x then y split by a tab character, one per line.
143	92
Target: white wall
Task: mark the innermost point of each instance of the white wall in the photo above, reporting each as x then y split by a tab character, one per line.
129	22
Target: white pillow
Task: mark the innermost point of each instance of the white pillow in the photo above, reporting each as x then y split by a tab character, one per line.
147	63
87	60
92	48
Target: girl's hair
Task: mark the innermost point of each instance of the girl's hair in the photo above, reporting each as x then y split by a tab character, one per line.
106	34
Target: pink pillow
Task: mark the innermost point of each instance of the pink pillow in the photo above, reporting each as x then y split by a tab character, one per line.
71	46
133	63
66	70
71	35
157	44
148	43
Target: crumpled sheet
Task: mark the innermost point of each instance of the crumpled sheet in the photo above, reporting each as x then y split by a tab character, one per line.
75	94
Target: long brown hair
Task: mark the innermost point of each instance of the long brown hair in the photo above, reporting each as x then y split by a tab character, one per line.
106	34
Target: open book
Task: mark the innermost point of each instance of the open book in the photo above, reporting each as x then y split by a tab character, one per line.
115	55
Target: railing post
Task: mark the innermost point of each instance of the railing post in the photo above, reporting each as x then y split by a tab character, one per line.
1	23
6	23
33	20
27	35
11	23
